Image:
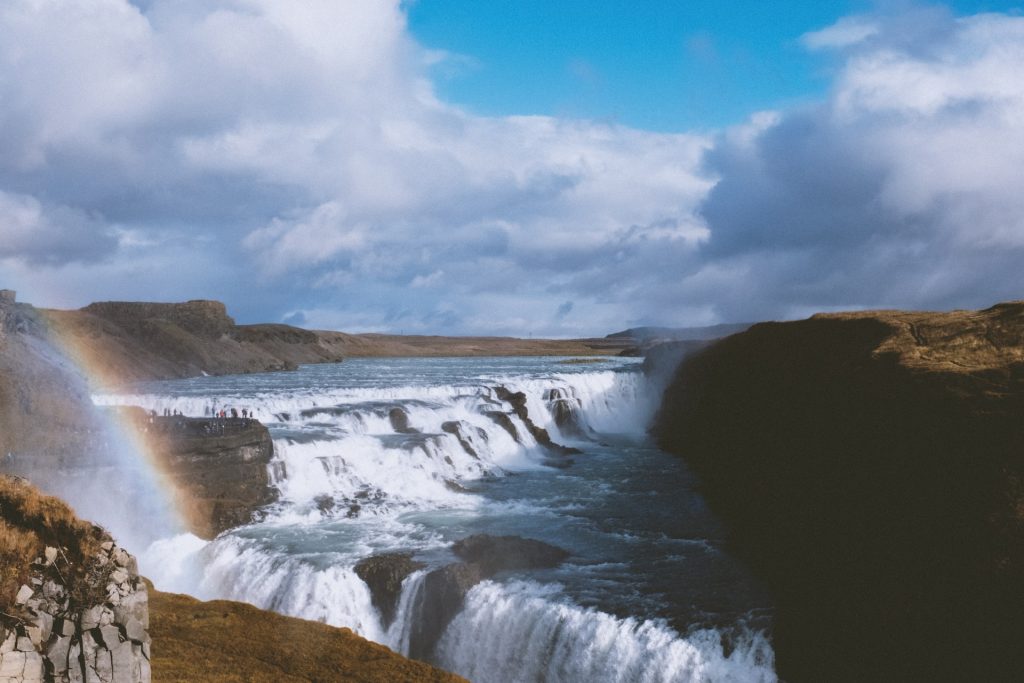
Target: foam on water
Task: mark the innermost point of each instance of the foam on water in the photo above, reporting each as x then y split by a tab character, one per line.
523	632
354	483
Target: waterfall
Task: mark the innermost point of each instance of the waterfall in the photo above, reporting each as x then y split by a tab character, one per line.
390	462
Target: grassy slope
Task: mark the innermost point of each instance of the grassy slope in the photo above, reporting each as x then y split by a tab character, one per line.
231	642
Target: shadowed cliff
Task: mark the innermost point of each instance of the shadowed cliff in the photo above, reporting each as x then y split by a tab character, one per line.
870	467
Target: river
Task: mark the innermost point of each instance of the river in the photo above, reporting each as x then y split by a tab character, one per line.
390	455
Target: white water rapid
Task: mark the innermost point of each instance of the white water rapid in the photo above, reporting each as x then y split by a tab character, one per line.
409	455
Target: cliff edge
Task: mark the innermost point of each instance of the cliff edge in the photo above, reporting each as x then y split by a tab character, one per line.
125	341
870	468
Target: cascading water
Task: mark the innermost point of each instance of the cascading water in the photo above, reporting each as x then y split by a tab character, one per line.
409	455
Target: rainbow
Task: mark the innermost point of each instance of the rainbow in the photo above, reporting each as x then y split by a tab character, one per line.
70	338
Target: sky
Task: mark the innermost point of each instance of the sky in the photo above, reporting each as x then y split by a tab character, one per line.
525	168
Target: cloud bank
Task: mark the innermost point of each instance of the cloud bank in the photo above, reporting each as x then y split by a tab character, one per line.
293	160
902	190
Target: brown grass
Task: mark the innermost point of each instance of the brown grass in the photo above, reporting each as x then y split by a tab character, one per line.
30	521
231	642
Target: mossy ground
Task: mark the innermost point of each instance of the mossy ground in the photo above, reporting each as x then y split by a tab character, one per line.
231	642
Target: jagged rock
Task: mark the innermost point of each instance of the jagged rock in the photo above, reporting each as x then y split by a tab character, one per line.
504	420
400	421
134	607
564	407
90	618
134	630
73	638
466	434
384	575
443	592
445	588
57	653
217	468
10	642
24	594
518	402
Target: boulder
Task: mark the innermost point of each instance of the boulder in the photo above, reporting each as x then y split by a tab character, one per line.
400	421
384	575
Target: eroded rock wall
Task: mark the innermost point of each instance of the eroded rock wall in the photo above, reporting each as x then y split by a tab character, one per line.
870	468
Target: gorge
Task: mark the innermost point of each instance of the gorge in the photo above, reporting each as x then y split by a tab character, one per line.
510	519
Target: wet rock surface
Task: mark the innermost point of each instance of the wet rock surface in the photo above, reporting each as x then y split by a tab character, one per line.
384	575
218	467
483	557
517	400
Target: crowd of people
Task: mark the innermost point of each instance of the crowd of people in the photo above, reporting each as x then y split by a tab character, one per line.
222	413
215	422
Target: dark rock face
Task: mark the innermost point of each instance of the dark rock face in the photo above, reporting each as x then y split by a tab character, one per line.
468	435
507	553
564	406
518	402
400	421
218	467
484	556
869	468
384	575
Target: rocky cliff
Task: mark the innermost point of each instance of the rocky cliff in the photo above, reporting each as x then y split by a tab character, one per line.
870	467
73	605
217	466
125	341
122	341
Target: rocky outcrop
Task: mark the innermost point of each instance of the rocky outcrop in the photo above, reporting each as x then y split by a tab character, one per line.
470	437
82	613
45	408
869	467
517	400
482	557
384	575
217	466
124	341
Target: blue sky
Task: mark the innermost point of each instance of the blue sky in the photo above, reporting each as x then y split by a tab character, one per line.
663	65
546	168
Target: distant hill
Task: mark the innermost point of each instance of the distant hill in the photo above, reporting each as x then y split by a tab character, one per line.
647	334
125	341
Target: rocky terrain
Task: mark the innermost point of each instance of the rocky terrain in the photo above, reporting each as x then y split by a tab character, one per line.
870	468
72	601
217	466
480	557
73	605
124	341
74	608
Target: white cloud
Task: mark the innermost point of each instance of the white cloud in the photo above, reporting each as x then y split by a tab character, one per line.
846	32
901	190
301	147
